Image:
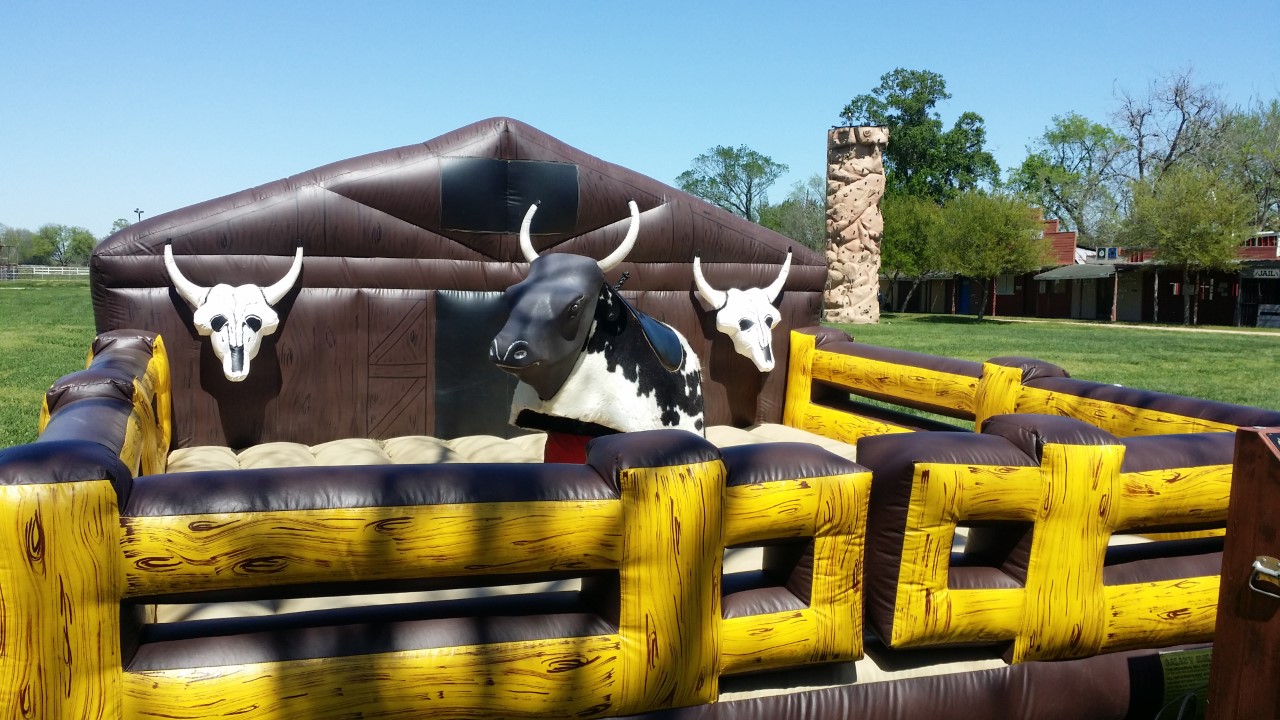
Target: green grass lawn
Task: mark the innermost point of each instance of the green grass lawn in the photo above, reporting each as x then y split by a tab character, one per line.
46	329
1229	367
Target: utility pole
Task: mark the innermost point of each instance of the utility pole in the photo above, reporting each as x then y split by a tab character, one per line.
139	212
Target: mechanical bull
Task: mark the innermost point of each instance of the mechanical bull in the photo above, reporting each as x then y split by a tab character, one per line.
746	316
588	363
235	318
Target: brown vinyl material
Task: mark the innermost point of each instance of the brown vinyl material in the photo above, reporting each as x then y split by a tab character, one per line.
354	353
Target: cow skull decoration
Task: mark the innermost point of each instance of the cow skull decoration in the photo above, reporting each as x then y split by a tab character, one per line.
235	318
746	316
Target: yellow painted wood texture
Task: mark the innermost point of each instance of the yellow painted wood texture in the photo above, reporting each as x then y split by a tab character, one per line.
997	392
59	601
1064	603
926	611
672	558
865	376
196	553
1119	420
799	410
831	510
1076	499
572	677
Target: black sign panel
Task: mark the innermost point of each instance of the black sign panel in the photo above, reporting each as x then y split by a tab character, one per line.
491	196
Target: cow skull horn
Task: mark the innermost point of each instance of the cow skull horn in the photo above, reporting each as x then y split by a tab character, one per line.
776	286
276	292
715	298
191	292
633	231
526	243
615	258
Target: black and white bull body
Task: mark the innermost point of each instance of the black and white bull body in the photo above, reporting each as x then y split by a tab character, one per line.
587	362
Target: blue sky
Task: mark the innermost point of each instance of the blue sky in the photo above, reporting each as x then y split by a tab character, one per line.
108	107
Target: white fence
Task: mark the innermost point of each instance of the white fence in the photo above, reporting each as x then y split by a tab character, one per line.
21	272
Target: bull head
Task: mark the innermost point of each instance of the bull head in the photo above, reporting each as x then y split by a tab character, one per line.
550	312
235	318
746	316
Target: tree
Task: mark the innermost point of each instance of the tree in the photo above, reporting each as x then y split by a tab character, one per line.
1249	153
1176	120
735	179
1073	173
803	215
17	244
922	159
984	235
118	225
1194	219
62	245
909	246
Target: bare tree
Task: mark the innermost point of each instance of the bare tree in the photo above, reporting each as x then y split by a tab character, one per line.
1177	119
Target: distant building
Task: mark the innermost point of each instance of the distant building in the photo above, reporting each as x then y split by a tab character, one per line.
1112	283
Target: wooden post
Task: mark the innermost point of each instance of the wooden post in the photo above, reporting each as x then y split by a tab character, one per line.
1246	648
1115	295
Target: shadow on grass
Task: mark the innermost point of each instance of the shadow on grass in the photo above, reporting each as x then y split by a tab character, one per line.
943	319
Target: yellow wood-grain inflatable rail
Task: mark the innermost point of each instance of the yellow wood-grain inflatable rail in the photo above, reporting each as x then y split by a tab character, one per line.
645	522
825	369
1043	496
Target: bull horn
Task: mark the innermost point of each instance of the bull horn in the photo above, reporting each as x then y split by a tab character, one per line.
615	258
276	292
526	242
717	299
776	286
191	292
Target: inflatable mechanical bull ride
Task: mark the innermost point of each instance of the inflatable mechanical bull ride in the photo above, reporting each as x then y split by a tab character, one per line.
361	523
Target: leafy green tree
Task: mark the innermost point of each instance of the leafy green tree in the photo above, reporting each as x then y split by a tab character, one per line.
1073	172
922	159
118	225
803	215
1194	219
62	245
1249	153
16	242
984	235
909	246
735	179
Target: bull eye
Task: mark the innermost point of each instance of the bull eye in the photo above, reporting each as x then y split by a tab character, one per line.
217	322
769	321
574	308
254	322
744	324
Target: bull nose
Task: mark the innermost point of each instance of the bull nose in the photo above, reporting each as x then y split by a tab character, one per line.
514	355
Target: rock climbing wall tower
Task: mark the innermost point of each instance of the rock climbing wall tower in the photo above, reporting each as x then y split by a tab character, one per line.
855	184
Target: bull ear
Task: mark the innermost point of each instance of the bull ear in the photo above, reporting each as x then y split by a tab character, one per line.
276	292
775	288
716	299
616	257
191	292
526	242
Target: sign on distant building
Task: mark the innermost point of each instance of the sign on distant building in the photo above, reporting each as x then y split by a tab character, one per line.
1261	273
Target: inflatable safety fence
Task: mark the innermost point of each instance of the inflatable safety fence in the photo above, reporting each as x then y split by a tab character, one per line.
827	368
90	540
87	546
